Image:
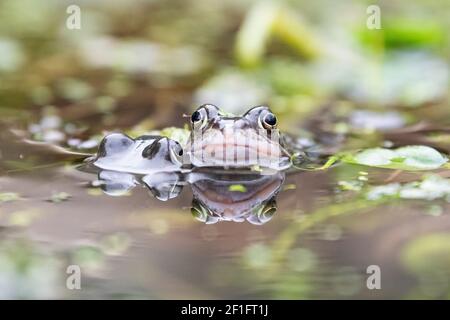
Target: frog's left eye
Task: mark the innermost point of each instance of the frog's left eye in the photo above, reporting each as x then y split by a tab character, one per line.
269	120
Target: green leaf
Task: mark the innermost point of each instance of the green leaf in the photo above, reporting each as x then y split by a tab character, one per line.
254	33
375	157
268	19
404	158
421	157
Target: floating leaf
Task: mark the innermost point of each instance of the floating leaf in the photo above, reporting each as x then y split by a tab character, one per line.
375	157
290	186
9	196
430	188
385	191
421	157
405	158
59	197
350	185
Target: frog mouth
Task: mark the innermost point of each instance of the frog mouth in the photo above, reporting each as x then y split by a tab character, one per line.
237	150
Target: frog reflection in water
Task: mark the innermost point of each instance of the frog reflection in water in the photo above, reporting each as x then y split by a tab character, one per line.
217	196
218	163
235	197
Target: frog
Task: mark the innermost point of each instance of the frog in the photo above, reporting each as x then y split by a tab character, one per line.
146	154
251	140
214	161
123	163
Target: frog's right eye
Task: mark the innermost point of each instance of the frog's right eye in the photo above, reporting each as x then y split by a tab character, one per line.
196	116
199	118
203	114
201	213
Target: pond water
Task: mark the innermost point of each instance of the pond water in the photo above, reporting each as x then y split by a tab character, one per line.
318	244
374	225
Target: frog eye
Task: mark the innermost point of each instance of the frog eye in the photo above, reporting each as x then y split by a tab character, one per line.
196	116
203	114
268	121
264	213
176	152
199	118
201	213
268	211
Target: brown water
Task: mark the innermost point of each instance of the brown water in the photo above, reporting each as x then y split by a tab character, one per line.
318	245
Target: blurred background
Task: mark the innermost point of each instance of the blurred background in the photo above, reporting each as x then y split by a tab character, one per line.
137	66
